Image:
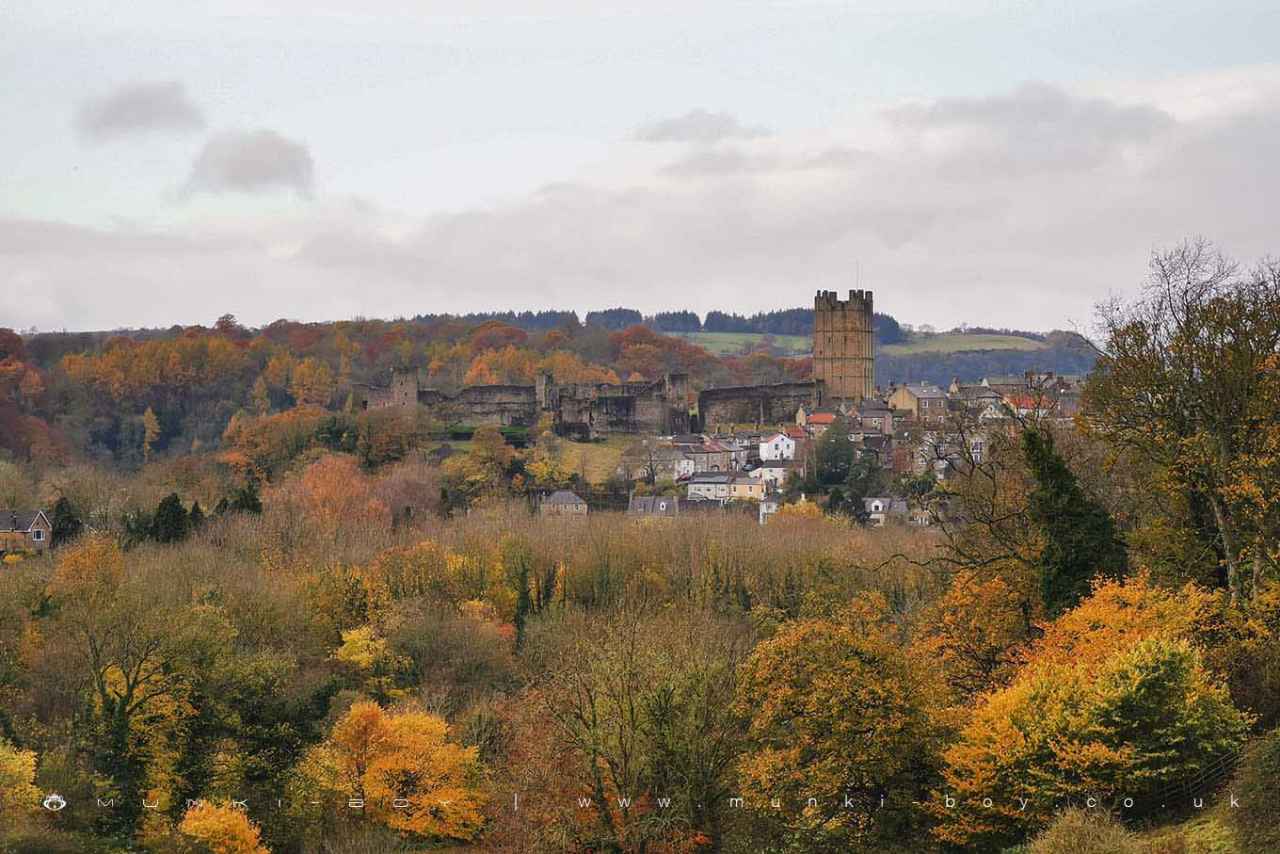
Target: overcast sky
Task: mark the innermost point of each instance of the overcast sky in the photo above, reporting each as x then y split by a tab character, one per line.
999	163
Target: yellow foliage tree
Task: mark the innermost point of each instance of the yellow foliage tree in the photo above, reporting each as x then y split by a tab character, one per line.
150	432
838	713
409	776
18	793
222	829
311	383
1122	726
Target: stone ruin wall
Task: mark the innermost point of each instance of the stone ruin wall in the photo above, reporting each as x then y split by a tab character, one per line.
756	404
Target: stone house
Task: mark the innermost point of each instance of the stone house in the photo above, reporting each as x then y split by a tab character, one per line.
25	531
923	401
746	488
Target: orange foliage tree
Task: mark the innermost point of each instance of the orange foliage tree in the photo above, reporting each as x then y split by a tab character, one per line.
403	768
222	829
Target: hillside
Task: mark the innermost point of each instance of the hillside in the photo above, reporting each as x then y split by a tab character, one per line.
932	357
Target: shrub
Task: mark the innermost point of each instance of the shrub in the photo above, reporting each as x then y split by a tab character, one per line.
1256	821
1077	831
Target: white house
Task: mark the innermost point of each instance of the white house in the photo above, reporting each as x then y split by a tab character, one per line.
711	486
778	447
880	508
773	473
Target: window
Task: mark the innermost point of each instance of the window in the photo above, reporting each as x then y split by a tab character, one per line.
37	535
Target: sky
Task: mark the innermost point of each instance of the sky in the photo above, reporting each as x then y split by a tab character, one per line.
1004	163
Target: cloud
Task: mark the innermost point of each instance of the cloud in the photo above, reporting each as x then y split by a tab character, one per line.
1034	127
698	126
950	208
719	162
139	108
251	162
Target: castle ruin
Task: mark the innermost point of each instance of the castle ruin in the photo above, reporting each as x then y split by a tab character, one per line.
843	371
844	355
580	410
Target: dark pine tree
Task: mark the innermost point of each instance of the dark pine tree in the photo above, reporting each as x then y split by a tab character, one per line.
246	499
196	517
1080	536
171	522
66	521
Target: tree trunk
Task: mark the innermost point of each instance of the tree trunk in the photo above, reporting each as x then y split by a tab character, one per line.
1230	554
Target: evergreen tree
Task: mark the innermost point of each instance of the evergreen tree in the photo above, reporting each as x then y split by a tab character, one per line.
171	522
1080	538
835	454
196	518
246	498
66	521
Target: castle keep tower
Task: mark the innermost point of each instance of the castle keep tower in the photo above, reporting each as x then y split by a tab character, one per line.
844	345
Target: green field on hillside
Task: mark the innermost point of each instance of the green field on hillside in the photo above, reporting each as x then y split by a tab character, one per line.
727	343
954	342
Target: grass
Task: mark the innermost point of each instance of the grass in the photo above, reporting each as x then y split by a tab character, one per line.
728	343
597	460
957	343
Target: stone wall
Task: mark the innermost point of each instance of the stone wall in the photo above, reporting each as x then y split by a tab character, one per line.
756	404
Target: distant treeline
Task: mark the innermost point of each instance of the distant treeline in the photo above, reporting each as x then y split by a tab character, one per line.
532	321
786	321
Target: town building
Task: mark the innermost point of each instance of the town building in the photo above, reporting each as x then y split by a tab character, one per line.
779	446
660	506
562	502
24	531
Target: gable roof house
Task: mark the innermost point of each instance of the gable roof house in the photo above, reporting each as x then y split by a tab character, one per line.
24	531
653	505
562	502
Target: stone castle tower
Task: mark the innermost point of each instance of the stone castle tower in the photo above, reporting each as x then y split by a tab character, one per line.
844	345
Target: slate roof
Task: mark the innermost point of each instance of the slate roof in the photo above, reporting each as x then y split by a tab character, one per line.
19	520
654	505
921	390
562	496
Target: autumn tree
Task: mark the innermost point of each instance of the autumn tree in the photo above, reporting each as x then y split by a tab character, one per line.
410	776
1187	381
975	631
18	793
150	432
311	383
839	713
644	707
1124	724
222	829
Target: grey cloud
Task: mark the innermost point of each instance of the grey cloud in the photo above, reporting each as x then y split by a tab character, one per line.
698	126
1036	126
251	162
719	162
139	108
